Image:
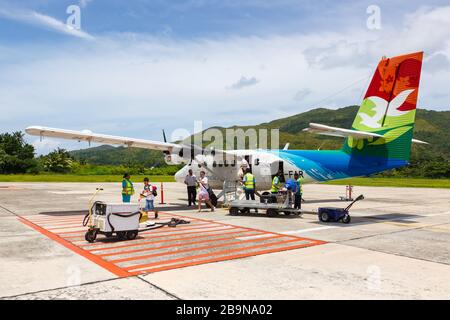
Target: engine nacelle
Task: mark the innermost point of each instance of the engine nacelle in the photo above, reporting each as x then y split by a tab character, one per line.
173	159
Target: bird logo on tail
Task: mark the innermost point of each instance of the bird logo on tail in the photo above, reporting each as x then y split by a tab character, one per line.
379	106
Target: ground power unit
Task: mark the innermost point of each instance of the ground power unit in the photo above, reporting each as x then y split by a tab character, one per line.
121	219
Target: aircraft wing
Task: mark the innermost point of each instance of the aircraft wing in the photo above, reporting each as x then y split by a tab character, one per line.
89	136
86	135
339	132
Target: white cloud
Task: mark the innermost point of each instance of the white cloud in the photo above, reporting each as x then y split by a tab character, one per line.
135	85
243	82
84	3
302	94
42	20
45	146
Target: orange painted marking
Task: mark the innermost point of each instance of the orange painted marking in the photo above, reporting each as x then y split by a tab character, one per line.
200	232
168	231
287	235
120	272
62	228
145	232
237	233
59	223
163	236
171	245
69	232
44	220
191	249
217	259
139	266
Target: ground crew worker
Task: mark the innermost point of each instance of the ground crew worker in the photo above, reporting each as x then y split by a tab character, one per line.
127	188
298	194
276	182
249	182
243	169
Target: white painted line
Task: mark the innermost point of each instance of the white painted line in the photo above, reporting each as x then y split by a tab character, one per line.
68	192
436	214
256	237
308	230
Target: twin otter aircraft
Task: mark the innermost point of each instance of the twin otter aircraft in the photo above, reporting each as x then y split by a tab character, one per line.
380	138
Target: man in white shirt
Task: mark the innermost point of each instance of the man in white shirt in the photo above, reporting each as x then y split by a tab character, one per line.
191	182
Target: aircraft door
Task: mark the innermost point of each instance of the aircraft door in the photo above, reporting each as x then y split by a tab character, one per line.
248	158
275	167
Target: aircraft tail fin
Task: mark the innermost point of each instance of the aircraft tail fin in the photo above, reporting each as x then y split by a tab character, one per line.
388	109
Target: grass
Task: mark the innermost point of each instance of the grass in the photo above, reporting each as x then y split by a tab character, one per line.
78	178
371	182
394	182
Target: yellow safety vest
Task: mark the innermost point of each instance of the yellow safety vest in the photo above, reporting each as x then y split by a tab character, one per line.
249	182
300	186
129	189
275	184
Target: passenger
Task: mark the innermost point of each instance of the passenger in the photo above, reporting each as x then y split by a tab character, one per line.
127	188
298	194
191	182
203	195
149	193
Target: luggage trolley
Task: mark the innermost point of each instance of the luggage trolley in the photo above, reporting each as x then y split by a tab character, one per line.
273	204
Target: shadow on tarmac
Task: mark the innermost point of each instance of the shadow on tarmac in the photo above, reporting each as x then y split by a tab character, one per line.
64	213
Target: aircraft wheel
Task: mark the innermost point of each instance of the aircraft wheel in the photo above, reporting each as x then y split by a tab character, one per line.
90	236
121	235
131	235
234	211
272	212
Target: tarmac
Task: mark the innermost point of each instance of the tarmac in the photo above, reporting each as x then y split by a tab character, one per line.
396	247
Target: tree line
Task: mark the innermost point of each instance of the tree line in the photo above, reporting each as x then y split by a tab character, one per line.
18	156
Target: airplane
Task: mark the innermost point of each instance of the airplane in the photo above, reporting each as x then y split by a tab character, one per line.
379	139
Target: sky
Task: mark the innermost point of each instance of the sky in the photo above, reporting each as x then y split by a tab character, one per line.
136	67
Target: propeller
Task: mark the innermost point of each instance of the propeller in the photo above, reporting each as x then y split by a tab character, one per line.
165	140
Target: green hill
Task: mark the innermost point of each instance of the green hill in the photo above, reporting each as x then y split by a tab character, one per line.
109	155
426	161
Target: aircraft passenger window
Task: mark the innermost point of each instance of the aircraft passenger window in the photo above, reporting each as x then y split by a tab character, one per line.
214	164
